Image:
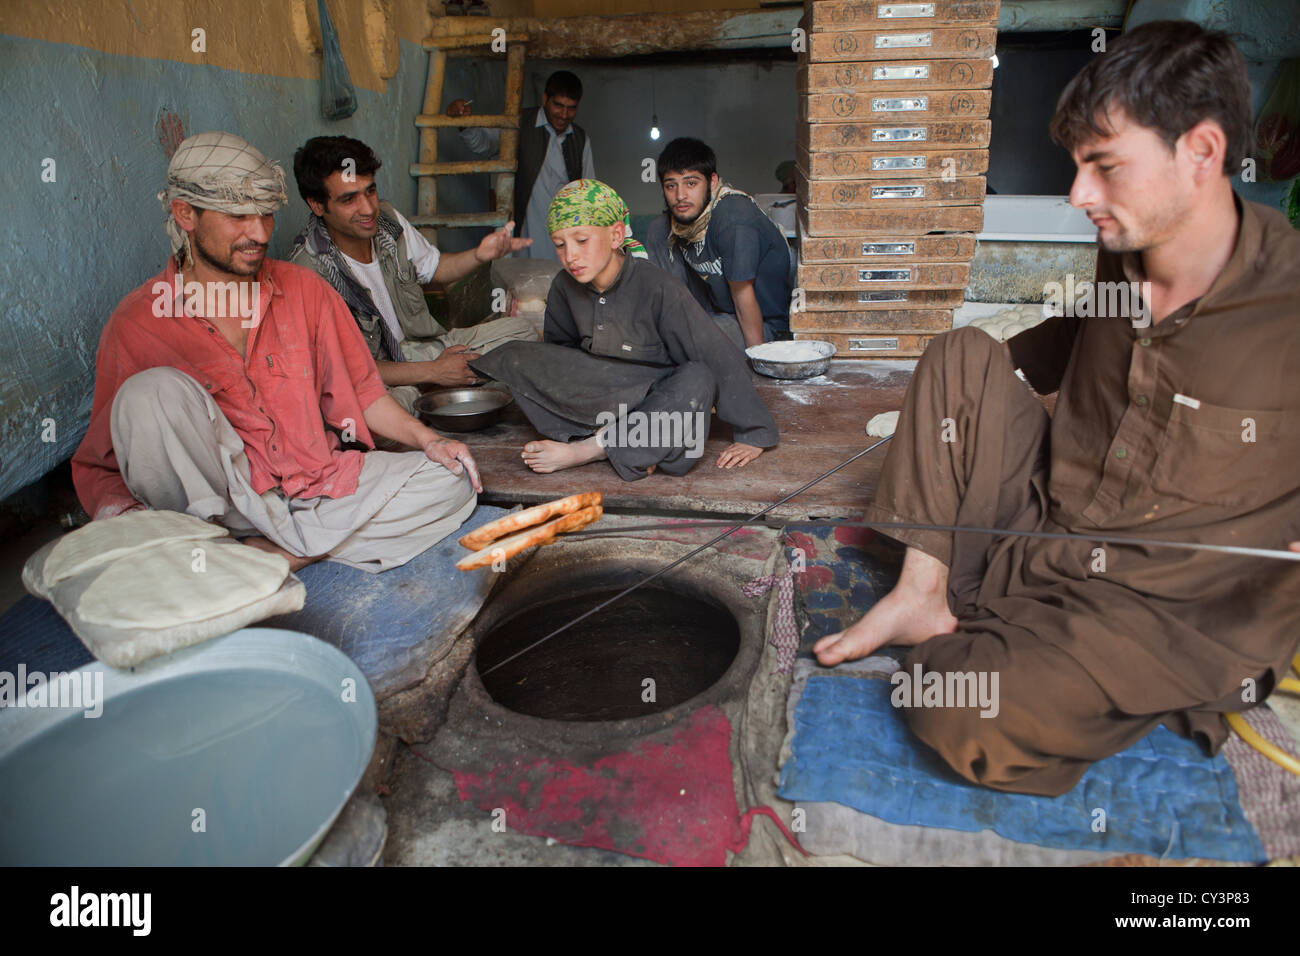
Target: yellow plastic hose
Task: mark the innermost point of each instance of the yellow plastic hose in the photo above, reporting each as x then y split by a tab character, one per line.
1267	748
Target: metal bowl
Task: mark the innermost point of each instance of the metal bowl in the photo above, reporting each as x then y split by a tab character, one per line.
768	359
463	409
251	727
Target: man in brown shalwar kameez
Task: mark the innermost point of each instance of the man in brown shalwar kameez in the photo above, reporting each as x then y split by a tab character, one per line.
1181	422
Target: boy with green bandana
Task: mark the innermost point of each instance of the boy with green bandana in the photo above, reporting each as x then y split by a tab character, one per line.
627	354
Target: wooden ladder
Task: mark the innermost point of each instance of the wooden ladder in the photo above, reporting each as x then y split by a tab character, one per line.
428	169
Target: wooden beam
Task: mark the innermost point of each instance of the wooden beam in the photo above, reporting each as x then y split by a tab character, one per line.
466	168
460	42
582	37
635	34
1021	16
509	145
427	189
612	36
443	120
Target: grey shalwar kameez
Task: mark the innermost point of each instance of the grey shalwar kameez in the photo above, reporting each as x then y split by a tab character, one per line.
641	345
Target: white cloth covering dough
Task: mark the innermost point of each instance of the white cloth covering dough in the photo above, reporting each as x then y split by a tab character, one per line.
882	425
163	587
111	538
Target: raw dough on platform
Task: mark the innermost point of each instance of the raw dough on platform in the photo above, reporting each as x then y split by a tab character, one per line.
164	587
111	538
882	425
1008	322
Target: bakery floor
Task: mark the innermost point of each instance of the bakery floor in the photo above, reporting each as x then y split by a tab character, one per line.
822	421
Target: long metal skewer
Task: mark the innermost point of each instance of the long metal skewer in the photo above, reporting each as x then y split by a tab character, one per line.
910	525
732	527
664	570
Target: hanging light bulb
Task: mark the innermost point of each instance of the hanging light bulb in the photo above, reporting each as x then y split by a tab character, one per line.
654	110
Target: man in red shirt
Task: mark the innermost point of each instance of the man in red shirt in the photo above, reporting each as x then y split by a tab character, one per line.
227	385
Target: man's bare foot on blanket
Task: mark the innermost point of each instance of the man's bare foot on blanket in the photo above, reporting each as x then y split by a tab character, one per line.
296	563
545	456
912	613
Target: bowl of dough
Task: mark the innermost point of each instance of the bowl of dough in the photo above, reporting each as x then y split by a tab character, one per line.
1009	322
801	358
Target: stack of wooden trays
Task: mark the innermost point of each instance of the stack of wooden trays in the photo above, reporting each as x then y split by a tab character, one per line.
892	151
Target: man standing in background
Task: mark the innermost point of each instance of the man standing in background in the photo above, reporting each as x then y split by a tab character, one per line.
553	151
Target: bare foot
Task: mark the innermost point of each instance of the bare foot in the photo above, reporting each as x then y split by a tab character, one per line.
545	456
896	619
296	563
912	613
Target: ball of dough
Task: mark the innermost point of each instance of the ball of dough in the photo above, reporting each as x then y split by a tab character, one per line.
882	425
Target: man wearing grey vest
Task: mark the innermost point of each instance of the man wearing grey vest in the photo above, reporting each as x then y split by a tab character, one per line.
553	151
379	263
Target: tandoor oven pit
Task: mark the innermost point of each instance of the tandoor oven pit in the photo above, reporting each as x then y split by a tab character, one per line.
689	638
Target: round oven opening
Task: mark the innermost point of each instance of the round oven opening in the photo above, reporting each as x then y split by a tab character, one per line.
645	653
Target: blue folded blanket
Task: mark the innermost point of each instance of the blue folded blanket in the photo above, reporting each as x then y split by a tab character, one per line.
1162	796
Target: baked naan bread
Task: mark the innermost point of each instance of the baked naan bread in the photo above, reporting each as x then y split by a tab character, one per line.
517	521
542	534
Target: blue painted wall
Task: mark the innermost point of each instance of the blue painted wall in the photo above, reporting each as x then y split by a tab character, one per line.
71	249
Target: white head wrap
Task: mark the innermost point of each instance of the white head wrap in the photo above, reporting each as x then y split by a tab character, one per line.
220	171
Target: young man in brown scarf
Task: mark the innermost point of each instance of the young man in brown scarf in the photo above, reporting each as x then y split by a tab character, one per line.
716	240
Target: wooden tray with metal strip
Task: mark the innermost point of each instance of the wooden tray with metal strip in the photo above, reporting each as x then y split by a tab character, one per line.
896	76
869	276
892	164
896	44
925	321
896	221
870	300
898	107
957	247
872	14
866	194
895	134
870	345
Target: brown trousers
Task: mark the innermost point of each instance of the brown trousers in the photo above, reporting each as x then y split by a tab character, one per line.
971	449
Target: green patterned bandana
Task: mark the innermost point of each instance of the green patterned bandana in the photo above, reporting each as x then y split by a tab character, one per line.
589	202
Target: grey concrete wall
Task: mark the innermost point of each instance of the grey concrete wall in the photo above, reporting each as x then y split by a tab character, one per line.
71	249
746	110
